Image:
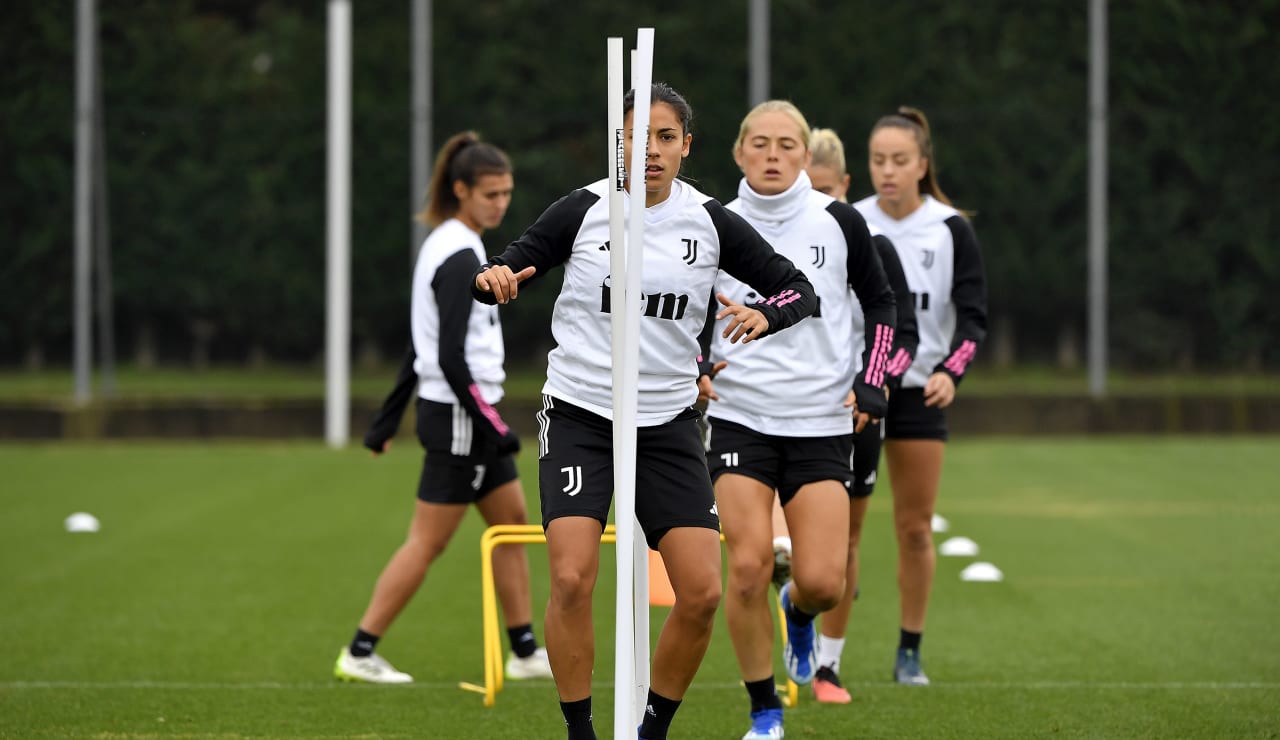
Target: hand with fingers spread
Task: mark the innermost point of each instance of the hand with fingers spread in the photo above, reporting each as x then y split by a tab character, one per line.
502	282
746	323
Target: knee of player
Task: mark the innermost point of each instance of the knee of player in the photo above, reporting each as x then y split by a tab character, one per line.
571	587
821	592
749	573
915	537
699	600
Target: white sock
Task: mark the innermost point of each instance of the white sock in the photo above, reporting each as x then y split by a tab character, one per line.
829	650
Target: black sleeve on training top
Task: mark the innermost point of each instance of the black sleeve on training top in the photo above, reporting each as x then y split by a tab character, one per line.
745	255
705	364
906	335
545	244
871	287
387	422
969	294
454	305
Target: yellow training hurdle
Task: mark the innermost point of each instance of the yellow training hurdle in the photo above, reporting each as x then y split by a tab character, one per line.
532	534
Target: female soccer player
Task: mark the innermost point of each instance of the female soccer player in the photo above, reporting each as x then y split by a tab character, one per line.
829	175
943	264
785	413
458	374
688	238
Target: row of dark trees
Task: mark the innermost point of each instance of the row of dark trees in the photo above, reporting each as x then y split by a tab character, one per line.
215	135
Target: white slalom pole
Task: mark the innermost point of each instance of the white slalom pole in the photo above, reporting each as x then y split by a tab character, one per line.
337	399
624	382
626	257
641	76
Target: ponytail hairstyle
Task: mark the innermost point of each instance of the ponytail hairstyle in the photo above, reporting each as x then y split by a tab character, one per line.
913	120
462	158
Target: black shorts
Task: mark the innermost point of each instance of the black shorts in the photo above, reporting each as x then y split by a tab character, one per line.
782	463
460	466
909	418
575	470
866	459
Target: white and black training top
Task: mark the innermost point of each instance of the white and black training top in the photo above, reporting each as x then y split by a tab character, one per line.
940	256
458	343
796	384
688	238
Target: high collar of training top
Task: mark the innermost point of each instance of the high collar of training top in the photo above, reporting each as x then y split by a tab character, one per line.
775	210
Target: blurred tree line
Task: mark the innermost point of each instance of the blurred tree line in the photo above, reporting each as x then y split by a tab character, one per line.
215	136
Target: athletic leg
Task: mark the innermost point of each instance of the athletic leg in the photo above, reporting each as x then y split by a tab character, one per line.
505	505
915	470
744	504
573	548
432	527
692	555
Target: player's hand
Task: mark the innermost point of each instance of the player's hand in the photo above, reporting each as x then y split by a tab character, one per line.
860	419
939	390
386	446
746	323
502	282
707	392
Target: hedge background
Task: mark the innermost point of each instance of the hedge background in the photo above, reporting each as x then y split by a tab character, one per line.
215	134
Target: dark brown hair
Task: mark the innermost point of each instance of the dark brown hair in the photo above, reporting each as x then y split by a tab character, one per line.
463	157
661	92
913	120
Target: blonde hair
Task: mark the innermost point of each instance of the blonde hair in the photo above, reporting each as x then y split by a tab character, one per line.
827	150
785	107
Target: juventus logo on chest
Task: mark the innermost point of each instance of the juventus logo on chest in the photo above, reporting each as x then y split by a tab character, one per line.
690	250
819	254
927	258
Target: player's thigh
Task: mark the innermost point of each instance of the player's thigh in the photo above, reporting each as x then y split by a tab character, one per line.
575	462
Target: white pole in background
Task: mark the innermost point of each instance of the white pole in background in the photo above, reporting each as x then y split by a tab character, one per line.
758	54
338	229
1098	198
421	120
82	332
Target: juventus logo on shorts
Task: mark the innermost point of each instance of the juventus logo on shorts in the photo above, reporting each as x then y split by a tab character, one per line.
475	483
574	487
690	250
819	255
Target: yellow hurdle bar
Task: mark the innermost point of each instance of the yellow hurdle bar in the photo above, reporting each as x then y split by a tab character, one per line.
503	534
532	534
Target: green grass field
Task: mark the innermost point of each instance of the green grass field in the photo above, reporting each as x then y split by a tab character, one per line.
1141	597
301	382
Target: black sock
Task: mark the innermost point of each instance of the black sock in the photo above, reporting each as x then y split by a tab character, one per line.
577	717
658	712
764	694
523	643
363	643
909	640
